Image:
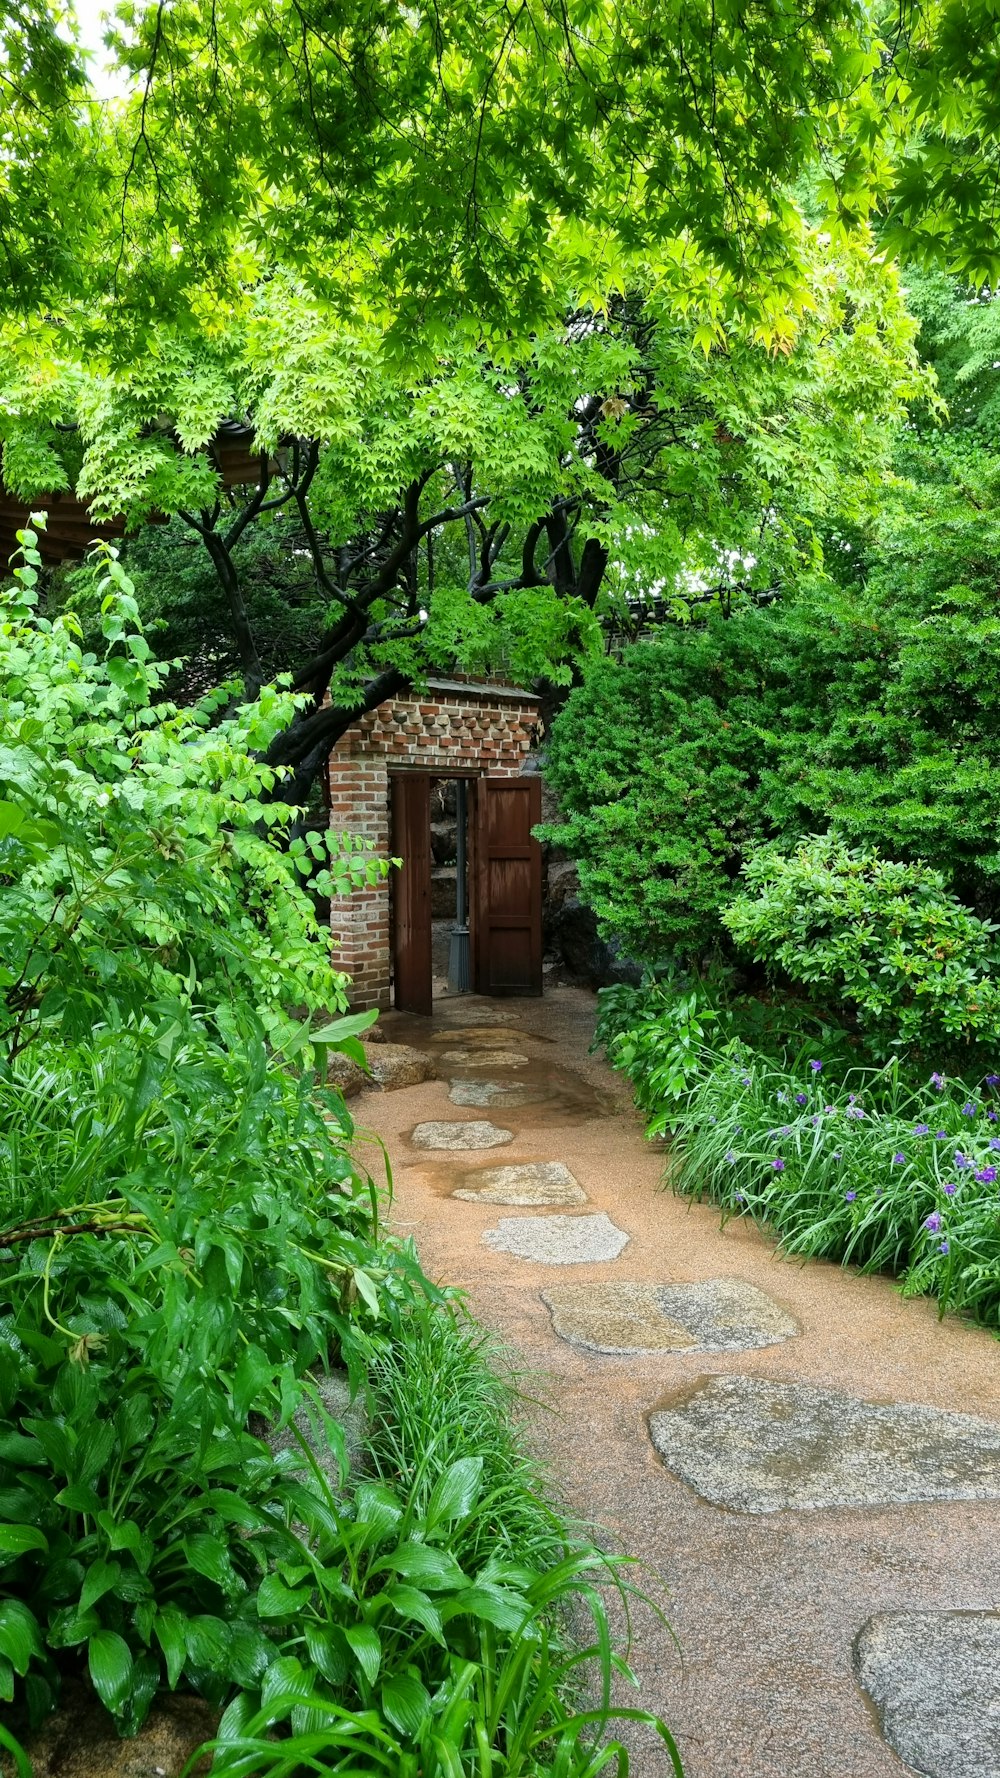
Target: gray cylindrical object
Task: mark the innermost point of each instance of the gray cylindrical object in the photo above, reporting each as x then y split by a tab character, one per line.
459	961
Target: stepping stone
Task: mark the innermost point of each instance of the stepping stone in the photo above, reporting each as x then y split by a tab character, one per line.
475	1135
762	1447
557	1240
932	1676
485	1058
721	1315
536	1182
493	1092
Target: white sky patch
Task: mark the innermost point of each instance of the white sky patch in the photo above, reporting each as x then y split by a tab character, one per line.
107	81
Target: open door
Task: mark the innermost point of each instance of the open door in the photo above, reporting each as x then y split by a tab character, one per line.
507	887
411	841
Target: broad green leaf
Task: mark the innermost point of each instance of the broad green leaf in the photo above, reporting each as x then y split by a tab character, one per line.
110	1666
366	1646
455	1492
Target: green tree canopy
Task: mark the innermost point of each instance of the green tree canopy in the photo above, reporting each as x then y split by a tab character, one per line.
490	512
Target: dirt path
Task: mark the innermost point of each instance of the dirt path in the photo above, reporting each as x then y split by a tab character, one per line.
767	1604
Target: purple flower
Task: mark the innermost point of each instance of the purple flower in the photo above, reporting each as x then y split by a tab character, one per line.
933	1222
921	1129
993	1080
730	1156
778	1164
850	1196
800	1099
987	1175
943	1248
968	1110
817	1067
937	1080
898	1160
950	1190
962	1160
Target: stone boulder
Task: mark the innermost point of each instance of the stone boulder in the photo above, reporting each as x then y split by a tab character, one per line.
391	1065
575	943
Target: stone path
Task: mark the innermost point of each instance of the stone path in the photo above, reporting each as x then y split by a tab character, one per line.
811	1464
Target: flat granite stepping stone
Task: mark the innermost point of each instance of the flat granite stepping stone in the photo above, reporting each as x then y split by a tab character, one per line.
486	1058
474	1135
494	1092
720	1315
557	1240
932	1677
535	1182
762	1447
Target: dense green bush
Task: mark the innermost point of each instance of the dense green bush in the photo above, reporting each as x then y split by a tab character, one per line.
868	704
885	937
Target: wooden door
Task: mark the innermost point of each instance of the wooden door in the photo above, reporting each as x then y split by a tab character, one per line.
411	841
507	887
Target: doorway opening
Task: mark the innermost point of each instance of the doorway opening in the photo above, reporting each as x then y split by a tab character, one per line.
467	850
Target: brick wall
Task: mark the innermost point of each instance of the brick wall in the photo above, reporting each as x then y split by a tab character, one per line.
458	728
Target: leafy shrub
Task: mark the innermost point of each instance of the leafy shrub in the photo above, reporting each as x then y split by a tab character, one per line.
886	937
884	1176
183	1232
869	705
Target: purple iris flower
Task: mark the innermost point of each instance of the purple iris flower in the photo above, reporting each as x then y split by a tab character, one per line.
933	1222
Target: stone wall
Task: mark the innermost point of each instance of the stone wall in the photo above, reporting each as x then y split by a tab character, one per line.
460	728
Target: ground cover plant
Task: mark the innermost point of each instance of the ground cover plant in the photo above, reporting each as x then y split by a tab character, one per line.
888	1168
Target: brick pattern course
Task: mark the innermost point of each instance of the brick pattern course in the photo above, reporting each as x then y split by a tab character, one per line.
461	733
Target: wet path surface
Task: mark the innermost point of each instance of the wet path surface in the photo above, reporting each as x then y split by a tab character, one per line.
811	1464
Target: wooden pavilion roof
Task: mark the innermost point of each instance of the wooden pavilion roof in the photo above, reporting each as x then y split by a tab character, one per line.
70	530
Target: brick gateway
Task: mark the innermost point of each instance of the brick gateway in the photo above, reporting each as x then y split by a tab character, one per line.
461	729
